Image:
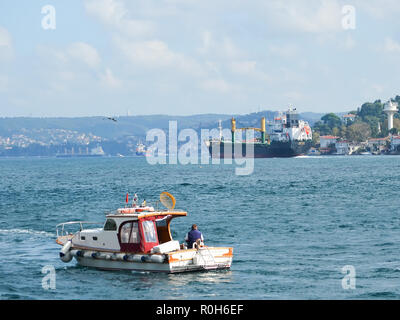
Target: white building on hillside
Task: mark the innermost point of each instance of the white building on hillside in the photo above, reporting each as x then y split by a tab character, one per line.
347	118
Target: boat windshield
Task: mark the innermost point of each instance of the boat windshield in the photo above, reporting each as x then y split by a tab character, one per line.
110	225
149	231
130	233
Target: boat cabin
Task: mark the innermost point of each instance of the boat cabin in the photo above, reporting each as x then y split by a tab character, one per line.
137	232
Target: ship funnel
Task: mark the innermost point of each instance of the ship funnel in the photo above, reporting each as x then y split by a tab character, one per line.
233	124
263	125
233	129
263	130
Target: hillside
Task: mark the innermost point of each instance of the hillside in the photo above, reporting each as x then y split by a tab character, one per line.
48	136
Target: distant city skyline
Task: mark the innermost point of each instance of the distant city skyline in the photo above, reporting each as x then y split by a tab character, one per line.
187	57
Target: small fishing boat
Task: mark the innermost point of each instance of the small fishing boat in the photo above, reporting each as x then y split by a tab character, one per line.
138	238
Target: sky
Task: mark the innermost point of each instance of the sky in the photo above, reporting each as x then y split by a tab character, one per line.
183	57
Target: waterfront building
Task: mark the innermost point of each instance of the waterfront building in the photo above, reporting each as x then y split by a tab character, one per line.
326	141
395	143
377	142
342	147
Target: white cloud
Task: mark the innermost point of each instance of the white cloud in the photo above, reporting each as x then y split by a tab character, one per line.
349	42
76	66
239	52
206	42
250	70
378	88
222	48
391	46
216	85
3	83
154	54
311	17
212	67
379	9
294	96
229	49
243	67
83	52
5	38
6	48
114	14
109	80
73	57
285	50
107	11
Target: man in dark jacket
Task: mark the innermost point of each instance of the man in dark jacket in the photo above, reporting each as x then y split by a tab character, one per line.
192	236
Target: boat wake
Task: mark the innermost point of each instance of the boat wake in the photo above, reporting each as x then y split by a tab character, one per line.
26	231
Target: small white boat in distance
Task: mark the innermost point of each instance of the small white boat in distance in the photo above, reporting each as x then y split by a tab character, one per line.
138	238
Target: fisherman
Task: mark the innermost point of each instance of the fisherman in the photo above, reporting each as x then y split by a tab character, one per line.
193	236
143	203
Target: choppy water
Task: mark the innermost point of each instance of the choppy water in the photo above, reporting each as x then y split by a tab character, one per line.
293	223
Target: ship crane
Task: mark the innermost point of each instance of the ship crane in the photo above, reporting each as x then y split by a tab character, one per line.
262	129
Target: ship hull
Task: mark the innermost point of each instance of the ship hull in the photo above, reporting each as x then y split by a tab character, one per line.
275	149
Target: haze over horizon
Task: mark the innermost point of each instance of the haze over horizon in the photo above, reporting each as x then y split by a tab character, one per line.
158	114
188	57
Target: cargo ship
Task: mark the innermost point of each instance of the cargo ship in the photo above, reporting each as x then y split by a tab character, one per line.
286	136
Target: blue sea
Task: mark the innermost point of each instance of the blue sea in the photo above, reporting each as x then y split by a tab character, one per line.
293	223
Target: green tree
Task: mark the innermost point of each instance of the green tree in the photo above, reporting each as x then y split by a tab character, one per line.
397	100
373	123
396	124
372	114
328	123
369	110
343	130
332	120
336	131
322	128
315	138
358	132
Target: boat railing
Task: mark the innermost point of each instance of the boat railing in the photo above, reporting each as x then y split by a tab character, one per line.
206	256
60	228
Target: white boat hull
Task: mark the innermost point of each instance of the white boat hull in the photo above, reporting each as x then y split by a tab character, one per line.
122	265
177	261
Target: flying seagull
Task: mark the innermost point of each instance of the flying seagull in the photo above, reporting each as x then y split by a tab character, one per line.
110	118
